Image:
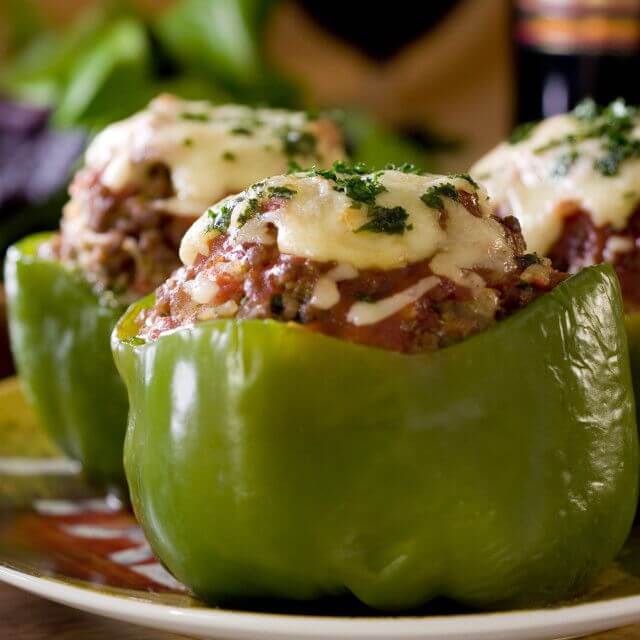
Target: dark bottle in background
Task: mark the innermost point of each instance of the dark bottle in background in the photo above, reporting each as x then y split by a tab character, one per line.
567	50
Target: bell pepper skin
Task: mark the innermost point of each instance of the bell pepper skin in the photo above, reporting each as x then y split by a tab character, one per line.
265	460
59	330
633	333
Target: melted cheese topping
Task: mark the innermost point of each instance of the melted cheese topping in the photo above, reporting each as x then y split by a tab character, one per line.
210	151
320	223
363	313
523	181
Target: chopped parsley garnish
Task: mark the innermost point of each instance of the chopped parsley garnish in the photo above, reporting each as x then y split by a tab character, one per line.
467	177
195	117
586	109
282	192
613	125
362	186
251	210
522	132
298	143
360	189
253	207
618	150
432	197
188	142
351	179
220	219
389	220
564	163
241	131
406	167
340	166
228	156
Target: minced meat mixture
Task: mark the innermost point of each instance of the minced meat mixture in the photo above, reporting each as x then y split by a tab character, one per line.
119	240
582	243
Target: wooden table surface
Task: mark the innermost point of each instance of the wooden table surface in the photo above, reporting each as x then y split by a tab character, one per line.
27	617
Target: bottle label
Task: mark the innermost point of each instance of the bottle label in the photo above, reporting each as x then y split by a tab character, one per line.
587	26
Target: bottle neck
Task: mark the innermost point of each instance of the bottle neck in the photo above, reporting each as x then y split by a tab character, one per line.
579	26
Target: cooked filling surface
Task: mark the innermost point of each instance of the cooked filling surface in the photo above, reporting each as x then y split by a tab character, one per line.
146	179
582	243
573	182
391	259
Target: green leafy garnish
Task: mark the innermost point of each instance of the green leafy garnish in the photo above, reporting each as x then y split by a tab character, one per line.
613	125
586	109
405	167
195	117
354	180
228	156
220	218
360	189
467	177
389	220
282	192
241	131
433	196
522	132
188	142
251	211
564	163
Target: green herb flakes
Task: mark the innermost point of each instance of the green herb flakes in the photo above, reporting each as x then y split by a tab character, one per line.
228	156
250	211
467	178
406	167
220	218
389	220
241	131
281	192
195	117
563	163
433	196
587	109
522	132
613	125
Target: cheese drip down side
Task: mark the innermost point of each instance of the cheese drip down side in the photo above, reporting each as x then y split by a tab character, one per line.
210	151
365	313
318	222
536	178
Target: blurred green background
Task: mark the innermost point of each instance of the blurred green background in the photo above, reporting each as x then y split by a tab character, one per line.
435	96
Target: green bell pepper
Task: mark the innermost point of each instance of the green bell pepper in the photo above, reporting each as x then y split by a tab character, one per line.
633	334
265	460
59	329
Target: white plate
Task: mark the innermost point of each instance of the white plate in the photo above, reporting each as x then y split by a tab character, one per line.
573	621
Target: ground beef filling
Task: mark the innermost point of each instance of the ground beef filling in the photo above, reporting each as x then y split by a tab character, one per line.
257	281
120	240
582	243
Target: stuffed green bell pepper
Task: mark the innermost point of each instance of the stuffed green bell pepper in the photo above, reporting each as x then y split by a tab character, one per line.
145	180
360	383
573	181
